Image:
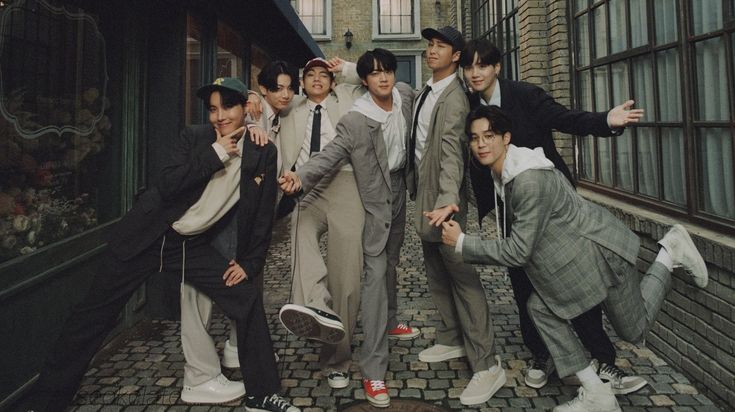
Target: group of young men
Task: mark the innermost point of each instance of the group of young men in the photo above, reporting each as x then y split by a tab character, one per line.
345	157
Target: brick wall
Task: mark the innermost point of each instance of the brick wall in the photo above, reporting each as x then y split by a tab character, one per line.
695	330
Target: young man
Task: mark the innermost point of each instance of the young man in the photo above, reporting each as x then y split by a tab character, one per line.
436	180
213	174
278	82
535	114
371	136
576	254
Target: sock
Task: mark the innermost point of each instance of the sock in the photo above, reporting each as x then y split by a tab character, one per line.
588	377
664	258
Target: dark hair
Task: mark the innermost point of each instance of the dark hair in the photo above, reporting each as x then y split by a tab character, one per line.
268	77
230	98
384	58
500	123
487	53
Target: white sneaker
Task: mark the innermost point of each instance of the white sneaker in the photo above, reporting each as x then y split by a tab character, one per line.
621	382
483	385
439	353
229	356
216	390
599	399
537	374
338	380
684	254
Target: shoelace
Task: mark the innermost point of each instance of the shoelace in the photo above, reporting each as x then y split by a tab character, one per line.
613	371
377	385
403	326
277	401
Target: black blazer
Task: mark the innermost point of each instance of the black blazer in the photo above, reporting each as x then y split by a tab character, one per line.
191	163
534	115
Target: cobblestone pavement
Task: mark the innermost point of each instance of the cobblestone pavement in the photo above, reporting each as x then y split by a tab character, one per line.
143	369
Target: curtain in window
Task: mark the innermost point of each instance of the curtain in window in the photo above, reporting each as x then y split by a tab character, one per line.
617	26
669	85
712	90
717	184
647	161
666	26
638	23
672	158
706	15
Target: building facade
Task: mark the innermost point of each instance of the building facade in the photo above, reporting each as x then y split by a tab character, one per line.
91	95
364	25
676	59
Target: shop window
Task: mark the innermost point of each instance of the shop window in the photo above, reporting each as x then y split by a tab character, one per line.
681	156
193	70
59	160
231	49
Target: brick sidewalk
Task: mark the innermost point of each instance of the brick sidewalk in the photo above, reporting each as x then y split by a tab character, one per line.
143	369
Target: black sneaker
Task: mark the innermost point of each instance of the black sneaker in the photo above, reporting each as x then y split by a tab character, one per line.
622	383
269	403
537	374
312	323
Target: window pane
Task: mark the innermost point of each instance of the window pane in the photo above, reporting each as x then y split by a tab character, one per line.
602	91
60	141
585	91
617	26
600	33
666	25
624	160
712	89
672	156
620	90
193	106
587	157
604	156
716	172
312	15
583	40
396	16
706	15
669	86
579	5
643	86
230	50
638	23
647	161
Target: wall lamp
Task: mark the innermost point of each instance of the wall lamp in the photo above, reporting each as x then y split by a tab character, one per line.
348	38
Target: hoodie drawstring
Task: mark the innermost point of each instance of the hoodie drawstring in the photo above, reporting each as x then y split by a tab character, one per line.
163	243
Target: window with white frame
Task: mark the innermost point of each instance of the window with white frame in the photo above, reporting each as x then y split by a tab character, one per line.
396	19
675	59
316	16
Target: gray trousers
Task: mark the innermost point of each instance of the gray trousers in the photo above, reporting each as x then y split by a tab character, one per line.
631	306
378	292
460	299
332	286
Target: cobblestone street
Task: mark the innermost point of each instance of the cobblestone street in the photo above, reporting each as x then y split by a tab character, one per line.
143	368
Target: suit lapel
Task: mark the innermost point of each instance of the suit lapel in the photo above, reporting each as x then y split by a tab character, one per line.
376	138
295	136
332	105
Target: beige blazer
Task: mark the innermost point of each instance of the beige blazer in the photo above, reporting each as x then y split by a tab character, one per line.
440	178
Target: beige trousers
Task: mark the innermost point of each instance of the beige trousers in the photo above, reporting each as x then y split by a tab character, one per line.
332	286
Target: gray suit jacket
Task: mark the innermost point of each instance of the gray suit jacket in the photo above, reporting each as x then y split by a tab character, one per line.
360	141
553	237
440	179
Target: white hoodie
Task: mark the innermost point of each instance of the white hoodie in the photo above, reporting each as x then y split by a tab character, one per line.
517	160
392	124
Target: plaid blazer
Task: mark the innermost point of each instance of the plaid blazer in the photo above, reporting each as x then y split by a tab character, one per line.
554	237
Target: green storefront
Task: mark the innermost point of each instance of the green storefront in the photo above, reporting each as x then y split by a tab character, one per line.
91	94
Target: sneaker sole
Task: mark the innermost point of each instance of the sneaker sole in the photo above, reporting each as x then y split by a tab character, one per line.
406	336
479	399
378	404
535	385
338	385
307	324
626	391
700	266
190	401
453	354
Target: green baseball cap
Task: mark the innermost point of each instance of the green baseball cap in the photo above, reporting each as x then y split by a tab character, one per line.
231	83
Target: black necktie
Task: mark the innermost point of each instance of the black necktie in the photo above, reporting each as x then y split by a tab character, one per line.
316	130
275	121
412	141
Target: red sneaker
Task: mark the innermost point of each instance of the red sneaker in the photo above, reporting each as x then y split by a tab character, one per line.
376	393
403	332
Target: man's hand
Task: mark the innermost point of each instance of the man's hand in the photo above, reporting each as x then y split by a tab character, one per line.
438	216
229	142
336	64
234	274
290	183
258	135
623	115
253	107
450	232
